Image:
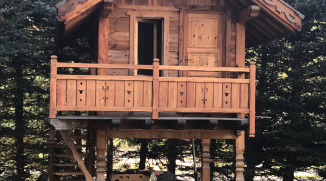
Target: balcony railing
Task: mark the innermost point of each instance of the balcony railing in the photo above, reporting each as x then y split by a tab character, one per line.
153	93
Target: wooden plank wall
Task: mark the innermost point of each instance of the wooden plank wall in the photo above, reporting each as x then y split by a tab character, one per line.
100	93
203	95
119	32
119	41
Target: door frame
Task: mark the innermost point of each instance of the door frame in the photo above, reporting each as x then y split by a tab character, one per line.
135	17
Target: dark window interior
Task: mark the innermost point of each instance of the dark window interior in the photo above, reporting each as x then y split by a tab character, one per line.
146	42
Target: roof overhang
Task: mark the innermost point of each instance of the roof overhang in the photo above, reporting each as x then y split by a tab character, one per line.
276	19
74	15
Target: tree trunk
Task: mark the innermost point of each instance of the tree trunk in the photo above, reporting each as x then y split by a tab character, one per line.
172	155
109	164
19	123
143	154
213	154
249	172
288	174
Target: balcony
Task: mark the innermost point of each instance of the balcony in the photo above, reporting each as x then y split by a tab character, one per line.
153	94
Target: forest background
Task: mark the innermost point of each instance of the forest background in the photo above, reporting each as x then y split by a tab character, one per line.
291	89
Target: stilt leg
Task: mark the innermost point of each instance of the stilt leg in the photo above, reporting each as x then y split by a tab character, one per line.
205	175
239	160
100	149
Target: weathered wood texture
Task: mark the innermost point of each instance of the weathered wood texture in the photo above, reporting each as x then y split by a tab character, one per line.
120	37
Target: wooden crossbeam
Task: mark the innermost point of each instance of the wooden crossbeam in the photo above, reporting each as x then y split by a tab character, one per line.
70	144
171	134
248	13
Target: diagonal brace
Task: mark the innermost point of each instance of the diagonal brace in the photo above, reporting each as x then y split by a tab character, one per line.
70	144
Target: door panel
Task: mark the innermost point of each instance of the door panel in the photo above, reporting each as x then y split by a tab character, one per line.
205	42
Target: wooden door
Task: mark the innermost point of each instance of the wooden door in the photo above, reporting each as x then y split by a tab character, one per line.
204	42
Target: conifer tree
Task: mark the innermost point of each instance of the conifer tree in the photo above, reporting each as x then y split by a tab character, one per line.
291	90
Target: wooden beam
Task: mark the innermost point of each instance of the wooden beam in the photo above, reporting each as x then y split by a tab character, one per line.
181	40
103	37
248	13
69	143
171	134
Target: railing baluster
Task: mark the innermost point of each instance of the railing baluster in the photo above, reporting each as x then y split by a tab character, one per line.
156	85
252	97
53	87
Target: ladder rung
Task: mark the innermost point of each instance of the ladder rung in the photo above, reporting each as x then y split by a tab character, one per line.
66	164
68	155
68	173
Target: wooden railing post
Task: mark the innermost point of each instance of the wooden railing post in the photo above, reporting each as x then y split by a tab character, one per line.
156	85
252	96
53	87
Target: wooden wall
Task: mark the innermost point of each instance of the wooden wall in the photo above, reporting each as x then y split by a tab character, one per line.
119	32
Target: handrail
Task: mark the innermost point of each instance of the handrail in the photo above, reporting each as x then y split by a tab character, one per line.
208	69
104	77
111	66
150	67
202	79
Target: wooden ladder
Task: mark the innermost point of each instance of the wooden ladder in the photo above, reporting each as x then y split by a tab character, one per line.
72	155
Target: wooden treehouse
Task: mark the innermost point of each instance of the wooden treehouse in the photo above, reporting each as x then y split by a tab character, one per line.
170	69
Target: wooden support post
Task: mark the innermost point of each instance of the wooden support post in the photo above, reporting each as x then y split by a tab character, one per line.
239	160
205	175
181	42
51	155
156	87
53	87
252	102
65	136
103	40
100	149
241	60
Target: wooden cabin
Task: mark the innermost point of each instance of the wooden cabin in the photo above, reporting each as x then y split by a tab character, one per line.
170	69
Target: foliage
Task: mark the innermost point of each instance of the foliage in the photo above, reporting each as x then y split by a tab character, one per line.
291	86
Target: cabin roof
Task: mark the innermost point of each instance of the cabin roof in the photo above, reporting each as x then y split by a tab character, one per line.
276	18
